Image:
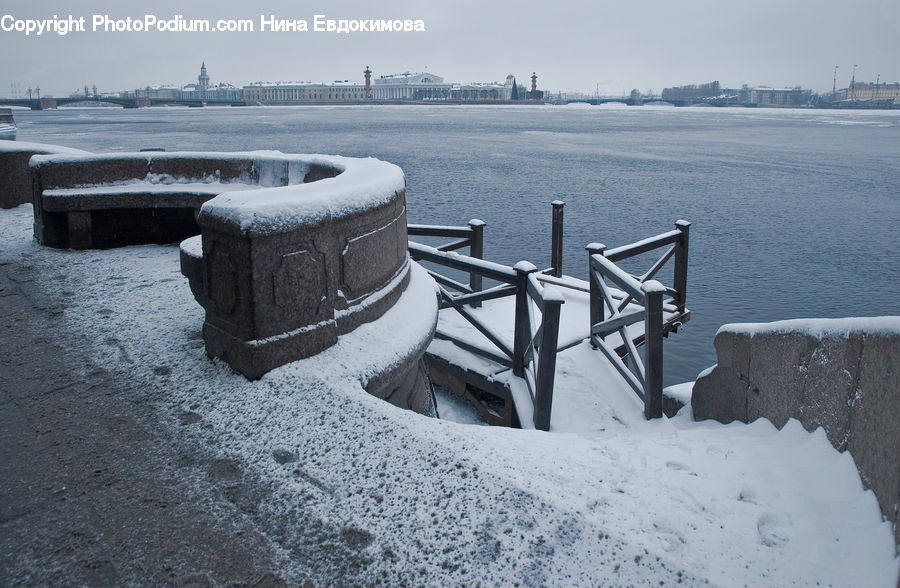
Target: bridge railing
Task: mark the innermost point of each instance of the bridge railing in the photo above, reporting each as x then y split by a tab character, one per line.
638	299
532	354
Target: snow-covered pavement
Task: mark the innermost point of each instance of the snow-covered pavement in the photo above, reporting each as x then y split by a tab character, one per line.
387	496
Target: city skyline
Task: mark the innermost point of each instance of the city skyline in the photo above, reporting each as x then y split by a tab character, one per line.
605	48
93	89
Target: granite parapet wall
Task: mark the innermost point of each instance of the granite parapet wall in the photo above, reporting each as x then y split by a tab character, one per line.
286	270
15	175
109	200
839	374
292	252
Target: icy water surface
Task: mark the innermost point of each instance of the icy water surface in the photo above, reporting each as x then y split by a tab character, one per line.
795	213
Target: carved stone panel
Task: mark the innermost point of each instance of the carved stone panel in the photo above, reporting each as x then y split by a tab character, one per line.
369	260
222	282
299	282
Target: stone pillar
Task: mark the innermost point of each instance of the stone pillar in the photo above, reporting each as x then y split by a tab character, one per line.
15	176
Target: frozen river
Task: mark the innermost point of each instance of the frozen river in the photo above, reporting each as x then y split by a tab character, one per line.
795	212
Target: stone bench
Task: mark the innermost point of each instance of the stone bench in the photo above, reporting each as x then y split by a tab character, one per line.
15	176
109	200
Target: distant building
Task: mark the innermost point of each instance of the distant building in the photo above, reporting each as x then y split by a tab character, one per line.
418	87
691	93
764	96
300	92
164	93
489	92
411	86
516	91
202	81
867	91
188	93
476	92
222	92
202	90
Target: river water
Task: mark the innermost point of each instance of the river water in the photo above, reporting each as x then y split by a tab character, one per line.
795	213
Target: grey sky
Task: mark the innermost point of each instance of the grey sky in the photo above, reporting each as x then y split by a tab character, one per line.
573	45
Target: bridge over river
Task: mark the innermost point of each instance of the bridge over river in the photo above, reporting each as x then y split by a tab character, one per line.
132	102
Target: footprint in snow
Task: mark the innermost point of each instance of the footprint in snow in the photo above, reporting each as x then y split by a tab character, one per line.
772	531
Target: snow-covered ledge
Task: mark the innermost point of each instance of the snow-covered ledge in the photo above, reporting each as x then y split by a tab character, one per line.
282	271
15	177
294	250
86	201
839	374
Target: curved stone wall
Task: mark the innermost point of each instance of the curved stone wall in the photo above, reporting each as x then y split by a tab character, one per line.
15	177
286	270
839	374
293	251
108	200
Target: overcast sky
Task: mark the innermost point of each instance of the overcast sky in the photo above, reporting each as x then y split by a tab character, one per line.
573	45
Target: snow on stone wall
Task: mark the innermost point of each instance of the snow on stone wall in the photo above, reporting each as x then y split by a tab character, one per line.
15	177
839	374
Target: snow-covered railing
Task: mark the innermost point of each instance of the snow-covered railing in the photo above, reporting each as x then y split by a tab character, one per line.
532	355
677	238
535	344
639	299
471	236
556	239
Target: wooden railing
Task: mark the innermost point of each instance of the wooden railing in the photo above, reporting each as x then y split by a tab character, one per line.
532	355
471	236
639	298
618	300
556	239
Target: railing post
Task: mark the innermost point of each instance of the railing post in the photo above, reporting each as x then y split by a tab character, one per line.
522	334
546	368
596	298
681	263
653	348
556	238
476	250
